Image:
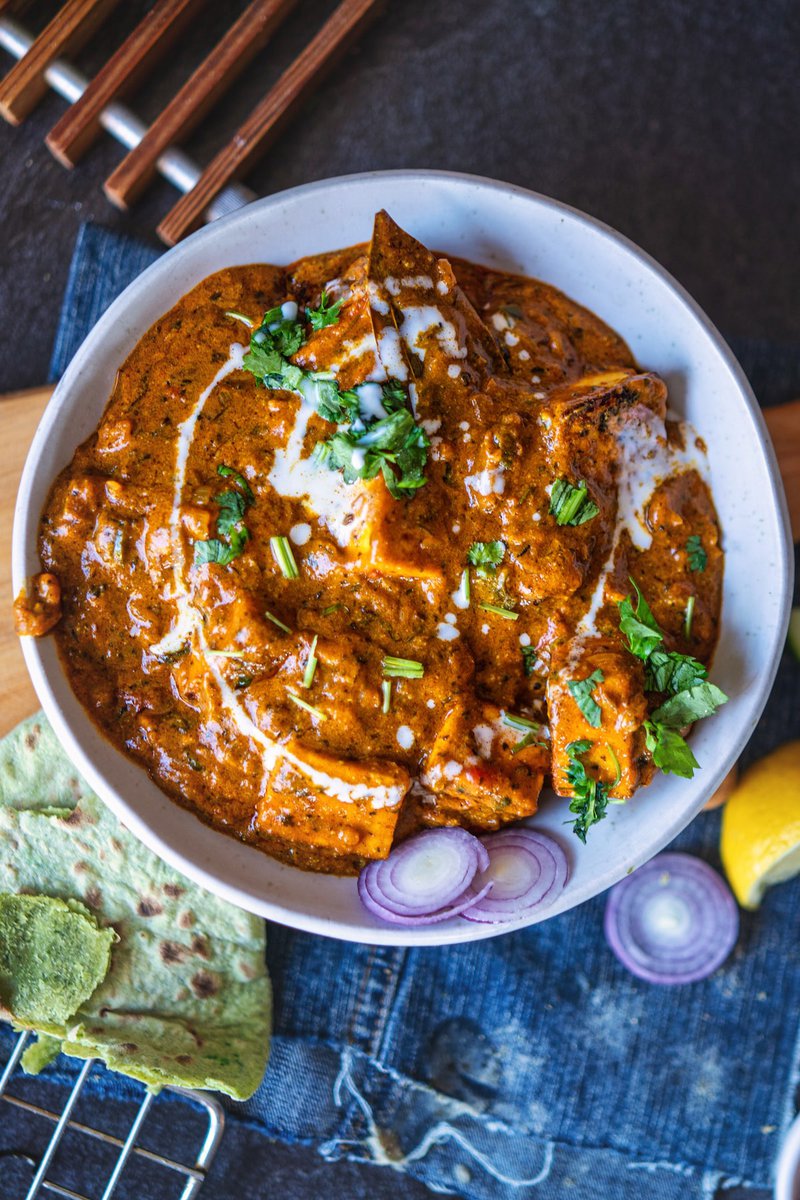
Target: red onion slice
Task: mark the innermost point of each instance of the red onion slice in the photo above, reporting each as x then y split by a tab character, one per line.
672	921
527	870
423	875
386	914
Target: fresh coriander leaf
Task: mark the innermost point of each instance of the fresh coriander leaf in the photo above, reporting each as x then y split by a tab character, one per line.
695	553
486	557
233	534
668	671
288	337
325	313
263	361
690	705
671	753
639	625
237	478
528	659
394	395
581	690
213	551
232	506
394	446
589	796
571	504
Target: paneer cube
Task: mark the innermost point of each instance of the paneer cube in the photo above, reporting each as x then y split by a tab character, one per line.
474	774
344	810
617	742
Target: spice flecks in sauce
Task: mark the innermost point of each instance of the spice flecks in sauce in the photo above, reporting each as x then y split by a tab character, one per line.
191	668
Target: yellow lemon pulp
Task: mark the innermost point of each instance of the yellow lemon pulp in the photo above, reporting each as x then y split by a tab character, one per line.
760	842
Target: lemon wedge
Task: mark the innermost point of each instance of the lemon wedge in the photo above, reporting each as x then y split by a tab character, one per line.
760	842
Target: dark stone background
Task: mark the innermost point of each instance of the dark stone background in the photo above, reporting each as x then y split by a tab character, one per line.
674	121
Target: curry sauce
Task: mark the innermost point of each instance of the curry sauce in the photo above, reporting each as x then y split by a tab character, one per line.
357	569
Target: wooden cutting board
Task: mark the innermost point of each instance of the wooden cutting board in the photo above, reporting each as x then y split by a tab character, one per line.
19	416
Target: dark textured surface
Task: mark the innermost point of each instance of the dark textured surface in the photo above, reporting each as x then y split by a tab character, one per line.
674	122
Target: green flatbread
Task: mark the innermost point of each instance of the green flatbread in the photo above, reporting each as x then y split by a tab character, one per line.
52	956
186	999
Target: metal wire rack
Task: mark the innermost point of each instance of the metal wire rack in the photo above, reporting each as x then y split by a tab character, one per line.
186	1175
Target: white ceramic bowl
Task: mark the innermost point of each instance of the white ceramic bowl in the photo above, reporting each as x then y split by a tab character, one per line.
515	230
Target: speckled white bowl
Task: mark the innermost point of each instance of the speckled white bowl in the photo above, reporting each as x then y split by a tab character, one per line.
515	230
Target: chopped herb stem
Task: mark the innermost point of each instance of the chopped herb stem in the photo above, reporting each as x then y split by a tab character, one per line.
402	668
309	708
571	503
311	665
689	617
486	557
284	557
466	586
506	613
237	316
386	689
275	621
515	722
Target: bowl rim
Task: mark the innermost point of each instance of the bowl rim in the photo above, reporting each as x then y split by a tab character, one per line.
181	859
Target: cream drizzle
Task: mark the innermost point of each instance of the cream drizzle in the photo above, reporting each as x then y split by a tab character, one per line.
186	432
189	623
646	460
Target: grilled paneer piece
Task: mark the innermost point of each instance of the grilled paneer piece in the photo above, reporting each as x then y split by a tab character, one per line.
595	693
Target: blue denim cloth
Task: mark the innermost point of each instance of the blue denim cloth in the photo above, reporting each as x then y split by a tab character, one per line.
532	1065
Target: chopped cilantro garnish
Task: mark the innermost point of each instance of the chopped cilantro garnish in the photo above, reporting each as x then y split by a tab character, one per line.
237	316
520	723
229	472
507	614
309	708
589	796
671	672
394	446
486	557
276	621
325	313
639	625
528	659
233	534
571	504
284	557
688	617
311	665
271	345
683	678
692	704
524	725
215	551
402	668
581	690
695	553
386	691
671	753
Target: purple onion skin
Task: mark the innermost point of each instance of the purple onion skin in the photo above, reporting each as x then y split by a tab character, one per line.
553	863
378	876
717	925
428	919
